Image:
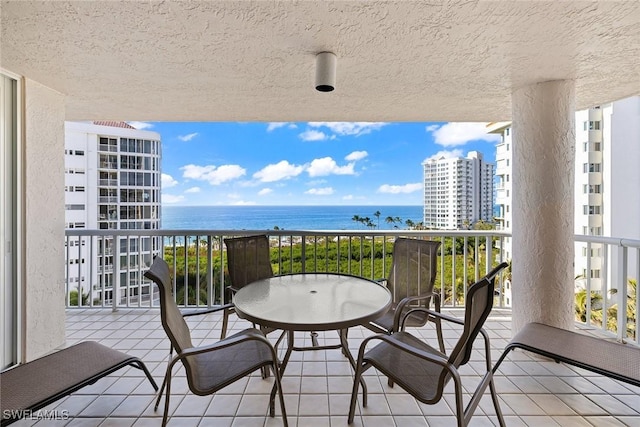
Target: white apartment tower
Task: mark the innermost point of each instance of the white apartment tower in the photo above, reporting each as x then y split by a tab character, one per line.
458	192
607	199
112	182
503	181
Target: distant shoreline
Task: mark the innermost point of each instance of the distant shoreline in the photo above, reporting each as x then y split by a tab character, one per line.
287	217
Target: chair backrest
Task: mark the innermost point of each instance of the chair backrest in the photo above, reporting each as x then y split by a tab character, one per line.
248	259
413	269
172	321
478	305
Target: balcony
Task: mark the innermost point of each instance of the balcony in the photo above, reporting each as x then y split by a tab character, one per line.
317	387
462	260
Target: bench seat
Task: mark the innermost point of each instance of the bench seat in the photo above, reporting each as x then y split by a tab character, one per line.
33	385
611	359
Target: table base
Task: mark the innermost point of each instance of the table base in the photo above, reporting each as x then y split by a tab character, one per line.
342	333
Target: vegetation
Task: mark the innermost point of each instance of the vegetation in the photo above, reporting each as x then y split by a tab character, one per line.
363	257
599	308
73	299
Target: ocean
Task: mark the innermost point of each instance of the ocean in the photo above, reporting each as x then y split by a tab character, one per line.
284	217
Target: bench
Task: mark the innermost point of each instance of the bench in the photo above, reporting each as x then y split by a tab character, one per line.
33	385
611	359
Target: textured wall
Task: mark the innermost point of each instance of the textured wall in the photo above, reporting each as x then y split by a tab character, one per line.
240	60
43	303
543	173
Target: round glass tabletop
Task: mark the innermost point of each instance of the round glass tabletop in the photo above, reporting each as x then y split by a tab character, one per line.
312	301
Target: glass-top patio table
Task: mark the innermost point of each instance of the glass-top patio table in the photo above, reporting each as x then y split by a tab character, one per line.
312	302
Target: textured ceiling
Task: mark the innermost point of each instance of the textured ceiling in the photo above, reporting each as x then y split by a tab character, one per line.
254	61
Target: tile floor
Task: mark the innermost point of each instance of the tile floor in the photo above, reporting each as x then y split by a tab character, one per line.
317	385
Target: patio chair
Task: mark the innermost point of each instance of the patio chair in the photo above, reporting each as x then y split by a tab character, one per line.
411	280
248	260
423	371
212	367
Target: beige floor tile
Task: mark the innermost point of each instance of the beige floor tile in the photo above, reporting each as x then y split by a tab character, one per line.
317	384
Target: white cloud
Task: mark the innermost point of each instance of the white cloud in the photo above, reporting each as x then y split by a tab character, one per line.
398	189
275	125
278	171
453	134
192	190
170	198
326	191
356	155
350	128
313	135
212	174
141	125
265	191
168	181
328	166
431	128
243	203
187	137
348	197
446	154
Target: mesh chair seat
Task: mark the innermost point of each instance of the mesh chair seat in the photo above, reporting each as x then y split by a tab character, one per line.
421	370
212	367
248	260
414	320
411	280
422	380
216	369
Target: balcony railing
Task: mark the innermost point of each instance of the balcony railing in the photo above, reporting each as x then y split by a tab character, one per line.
199	278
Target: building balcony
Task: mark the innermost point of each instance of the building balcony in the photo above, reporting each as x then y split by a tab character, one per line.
462	260
532	391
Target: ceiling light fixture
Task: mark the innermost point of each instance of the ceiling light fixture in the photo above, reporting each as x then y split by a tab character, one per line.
326	63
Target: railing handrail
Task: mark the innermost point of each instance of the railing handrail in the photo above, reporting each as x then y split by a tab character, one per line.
464	258
271	232
615	241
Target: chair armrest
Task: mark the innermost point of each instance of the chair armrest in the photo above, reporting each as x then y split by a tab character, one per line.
431	313
249	335
441	360
206	310
408	300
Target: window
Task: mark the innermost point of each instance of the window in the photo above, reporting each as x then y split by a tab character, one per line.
74	207
591	167
591	125
591	210
591	189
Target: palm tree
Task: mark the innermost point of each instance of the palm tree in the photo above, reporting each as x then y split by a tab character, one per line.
581	306
612	312
393	220
377	215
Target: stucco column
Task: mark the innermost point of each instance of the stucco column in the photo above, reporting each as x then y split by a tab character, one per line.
43	308
543	181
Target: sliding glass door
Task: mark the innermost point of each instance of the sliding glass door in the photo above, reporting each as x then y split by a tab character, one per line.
8	221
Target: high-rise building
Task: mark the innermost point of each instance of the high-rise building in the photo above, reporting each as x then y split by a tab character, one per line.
503	190
606	200
112	182
458	192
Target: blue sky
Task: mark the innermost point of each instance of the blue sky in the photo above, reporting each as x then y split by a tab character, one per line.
308	163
